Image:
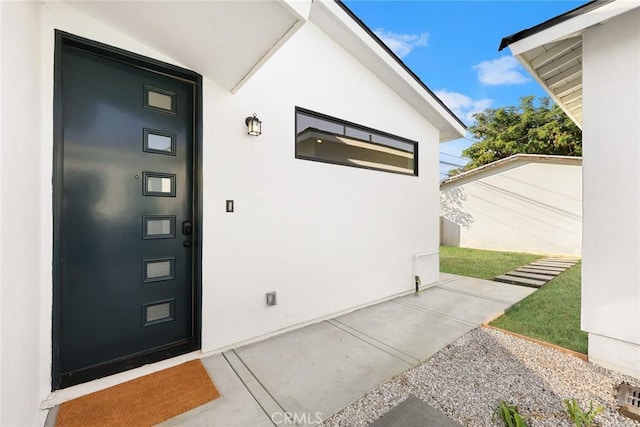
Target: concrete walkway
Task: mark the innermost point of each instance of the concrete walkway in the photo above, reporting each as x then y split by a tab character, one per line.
311	373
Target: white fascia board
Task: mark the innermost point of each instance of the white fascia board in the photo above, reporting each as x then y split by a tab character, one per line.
301	8
337	24
574	26
527	65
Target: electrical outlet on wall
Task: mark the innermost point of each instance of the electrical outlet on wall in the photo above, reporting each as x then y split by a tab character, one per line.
271	298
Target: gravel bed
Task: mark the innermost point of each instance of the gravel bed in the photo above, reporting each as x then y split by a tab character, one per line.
469	378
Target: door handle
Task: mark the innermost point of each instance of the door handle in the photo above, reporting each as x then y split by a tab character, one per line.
186	243
187	228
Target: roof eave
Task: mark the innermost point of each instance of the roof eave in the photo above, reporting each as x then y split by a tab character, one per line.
581	10
516	158
572	26
556	40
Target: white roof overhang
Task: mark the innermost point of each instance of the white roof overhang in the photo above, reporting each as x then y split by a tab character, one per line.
553	55
226	41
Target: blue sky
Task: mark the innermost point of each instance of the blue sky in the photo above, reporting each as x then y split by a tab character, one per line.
453	47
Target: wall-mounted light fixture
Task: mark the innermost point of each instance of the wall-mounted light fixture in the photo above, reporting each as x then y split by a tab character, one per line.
254	125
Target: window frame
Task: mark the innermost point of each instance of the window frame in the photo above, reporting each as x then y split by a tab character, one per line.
369	130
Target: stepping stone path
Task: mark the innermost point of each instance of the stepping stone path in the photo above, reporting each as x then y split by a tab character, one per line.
537	273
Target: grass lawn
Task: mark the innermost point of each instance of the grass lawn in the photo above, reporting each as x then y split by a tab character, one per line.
550	314
481	264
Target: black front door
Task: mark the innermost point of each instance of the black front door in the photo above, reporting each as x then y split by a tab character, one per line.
125	293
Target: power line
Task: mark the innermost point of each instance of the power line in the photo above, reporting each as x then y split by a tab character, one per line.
454	156
450	164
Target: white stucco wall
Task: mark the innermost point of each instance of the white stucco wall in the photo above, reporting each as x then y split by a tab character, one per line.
21	203
325	237
611	248
521	206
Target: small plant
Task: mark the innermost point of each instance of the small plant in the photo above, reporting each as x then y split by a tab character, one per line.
509	415
578	416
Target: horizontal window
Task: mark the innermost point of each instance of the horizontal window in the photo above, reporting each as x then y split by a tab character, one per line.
327	139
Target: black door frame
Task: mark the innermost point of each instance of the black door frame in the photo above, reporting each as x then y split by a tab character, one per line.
65	39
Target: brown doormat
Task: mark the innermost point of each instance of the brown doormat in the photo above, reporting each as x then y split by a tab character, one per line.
144	401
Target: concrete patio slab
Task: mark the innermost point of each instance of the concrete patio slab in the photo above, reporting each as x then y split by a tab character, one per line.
550	265
535	276
455	305
413	412
318	369
538	271
520	281
447	277
542	268
563	263
315	371
257	390
488	289
412	331
376	343
234	407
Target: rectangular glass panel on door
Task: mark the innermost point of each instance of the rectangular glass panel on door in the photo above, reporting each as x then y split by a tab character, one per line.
157	312
159	184
156	270
158	227
160	99
159	142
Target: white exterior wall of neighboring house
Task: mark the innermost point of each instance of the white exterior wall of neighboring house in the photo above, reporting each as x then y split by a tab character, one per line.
611	251
589	62
327	238
526	203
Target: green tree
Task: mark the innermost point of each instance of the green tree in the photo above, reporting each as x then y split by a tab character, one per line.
527	128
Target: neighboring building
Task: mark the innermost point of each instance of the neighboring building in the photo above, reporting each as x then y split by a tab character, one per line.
523	203
140	221
588	60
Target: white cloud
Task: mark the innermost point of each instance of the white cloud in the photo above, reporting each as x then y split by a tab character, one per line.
501	71
402	44
462	105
